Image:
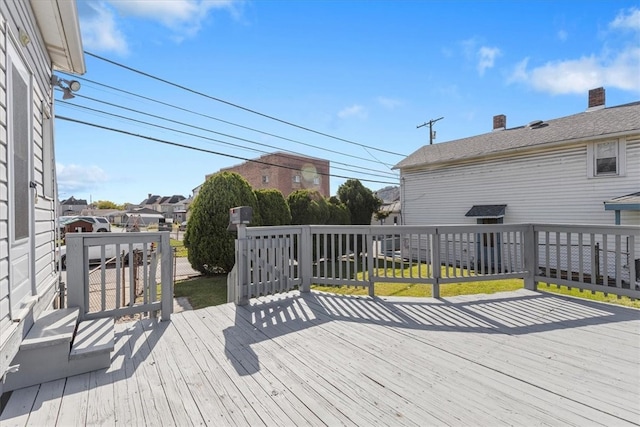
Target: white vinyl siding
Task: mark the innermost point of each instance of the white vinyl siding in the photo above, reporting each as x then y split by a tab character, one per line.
5	318
16	15
542	187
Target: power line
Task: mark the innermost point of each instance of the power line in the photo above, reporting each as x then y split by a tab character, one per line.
225	122
203	150
65	103
211	131
126	67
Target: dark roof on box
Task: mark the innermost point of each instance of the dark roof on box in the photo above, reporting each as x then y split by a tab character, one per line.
487	211
622	119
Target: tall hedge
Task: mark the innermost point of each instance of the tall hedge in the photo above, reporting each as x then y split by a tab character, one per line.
308	207
211	246
360	201
274	209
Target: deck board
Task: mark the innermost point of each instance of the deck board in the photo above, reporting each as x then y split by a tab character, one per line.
517	358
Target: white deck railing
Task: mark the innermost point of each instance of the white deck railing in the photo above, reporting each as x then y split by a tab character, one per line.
277	259
118	274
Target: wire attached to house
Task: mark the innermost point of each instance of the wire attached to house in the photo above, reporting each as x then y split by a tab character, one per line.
377	172
213	98
203	150
102	112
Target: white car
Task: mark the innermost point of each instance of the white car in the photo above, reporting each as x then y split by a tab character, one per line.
95	253
100	223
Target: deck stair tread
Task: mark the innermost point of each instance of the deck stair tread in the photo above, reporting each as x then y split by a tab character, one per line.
53	327
93	336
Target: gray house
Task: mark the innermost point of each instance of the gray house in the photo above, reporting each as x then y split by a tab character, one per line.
570	170
36	38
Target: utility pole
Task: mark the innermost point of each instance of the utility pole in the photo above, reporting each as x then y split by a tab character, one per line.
432	134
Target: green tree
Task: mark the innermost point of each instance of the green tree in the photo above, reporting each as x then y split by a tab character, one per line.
211	246
273	207
107	204
308	207
360	201
338	212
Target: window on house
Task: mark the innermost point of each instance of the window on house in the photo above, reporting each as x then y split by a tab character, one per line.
296	179
19	137
265	179
316	180
606	159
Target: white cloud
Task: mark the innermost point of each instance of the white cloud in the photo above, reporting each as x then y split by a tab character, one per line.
627	20
99	29
487	57
78	179
562	35
484	55
101	20
580	75
389	103
184	17
355	110
610	68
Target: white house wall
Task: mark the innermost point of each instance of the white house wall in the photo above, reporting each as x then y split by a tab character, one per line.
15	15
4	186
542	187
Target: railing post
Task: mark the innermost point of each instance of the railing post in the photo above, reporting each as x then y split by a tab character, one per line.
167	276
530	257
306	258
436	270
370	250
241	286
76	277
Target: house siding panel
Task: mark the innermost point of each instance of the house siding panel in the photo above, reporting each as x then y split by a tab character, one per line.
14	15
541	187
4	227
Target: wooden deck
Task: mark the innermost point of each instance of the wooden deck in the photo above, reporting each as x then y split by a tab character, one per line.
518	358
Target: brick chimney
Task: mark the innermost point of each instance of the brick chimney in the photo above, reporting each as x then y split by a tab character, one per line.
596	99
499	122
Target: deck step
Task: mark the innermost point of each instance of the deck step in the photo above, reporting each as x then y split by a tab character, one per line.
93	337
58	347
53	327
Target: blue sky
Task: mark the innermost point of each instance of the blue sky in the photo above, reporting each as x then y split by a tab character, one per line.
364	73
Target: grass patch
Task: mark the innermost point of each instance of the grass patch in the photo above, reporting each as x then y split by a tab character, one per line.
422	290
586	294
465	288
180	250
203	291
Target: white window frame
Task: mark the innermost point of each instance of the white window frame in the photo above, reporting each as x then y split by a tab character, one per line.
621	159
265	179
15	59
296	179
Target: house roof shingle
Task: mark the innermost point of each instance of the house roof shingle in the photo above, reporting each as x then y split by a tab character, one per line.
590	124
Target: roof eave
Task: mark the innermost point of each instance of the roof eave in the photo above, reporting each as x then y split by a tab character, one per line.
500	153
60	28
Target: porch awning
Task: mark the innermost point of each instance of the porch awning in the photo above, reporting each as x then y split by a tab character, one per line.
630	202
487	211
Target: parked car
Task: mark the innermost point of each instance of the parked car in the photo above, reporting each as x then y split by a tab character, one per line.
99	223
95	253
183	226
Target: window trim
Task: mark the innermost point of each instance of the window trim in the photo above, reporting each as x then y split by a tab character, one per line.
15	59
621	159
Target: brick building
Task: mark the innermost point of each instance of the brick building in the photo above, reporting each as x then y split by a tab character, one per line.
285	172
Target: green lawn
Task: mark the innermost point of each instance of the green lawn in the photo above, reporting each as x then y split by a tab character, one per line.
203	291
180	250
212	290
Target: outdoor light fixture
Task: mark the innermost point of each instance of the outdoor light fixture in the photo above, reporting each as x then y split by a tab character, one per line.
71	86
